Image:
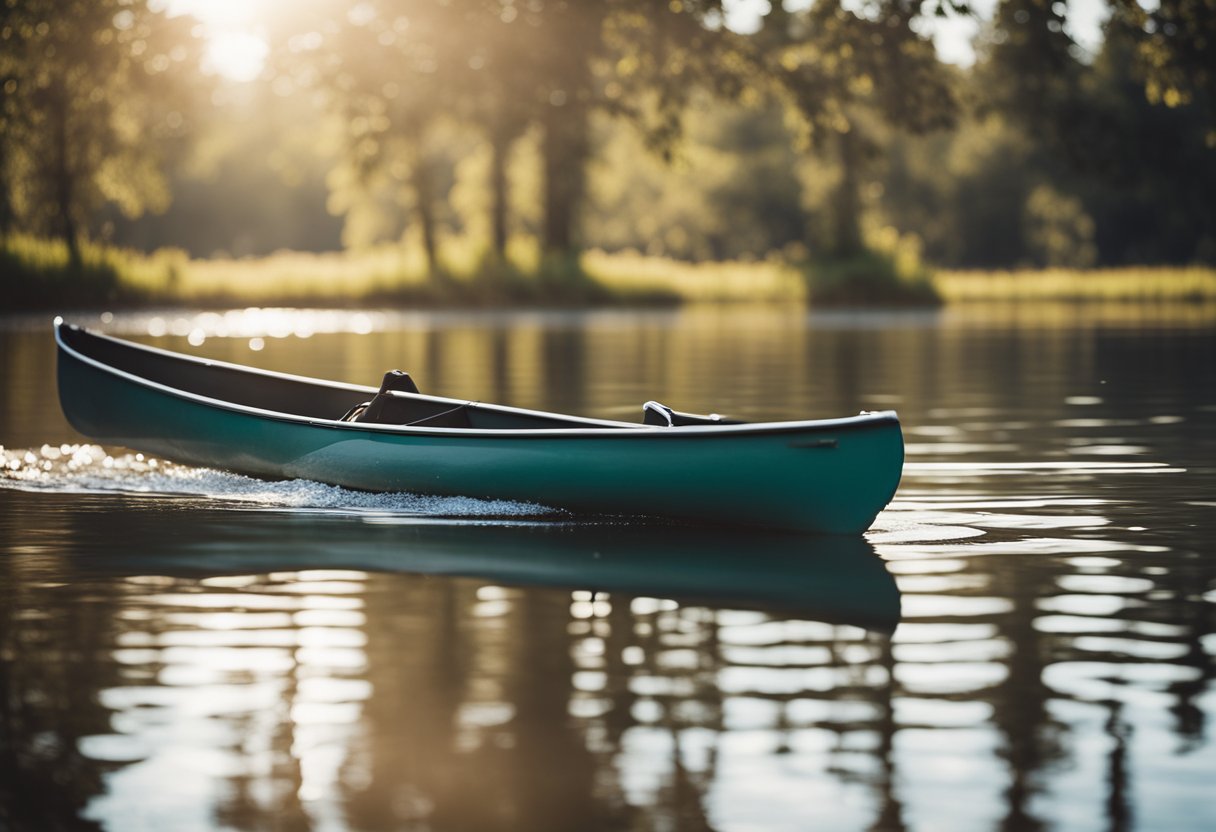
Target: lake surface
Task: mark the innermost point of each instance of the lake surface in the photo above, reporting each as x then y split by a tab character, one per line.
1025	640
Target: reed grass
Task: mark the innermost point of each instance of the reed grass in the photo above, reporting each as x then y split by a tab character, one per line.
1133	283
36	273
632	273
291	274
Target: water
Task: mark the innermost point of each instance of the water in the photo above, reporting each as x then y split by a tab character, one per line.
1025	639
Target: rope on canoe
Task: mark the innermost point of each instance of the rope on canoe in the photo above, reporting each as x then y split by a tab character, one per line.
441	413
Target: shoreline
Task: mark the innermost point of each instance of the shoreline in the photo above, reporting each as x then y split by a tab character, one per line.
35	277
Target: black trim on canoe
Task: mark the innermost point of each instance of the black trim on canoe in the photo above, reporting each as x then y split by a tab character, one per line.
299	399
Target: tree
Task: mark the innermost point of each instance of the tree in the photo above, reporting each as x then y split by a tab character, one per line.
396	76
500	74
1173	51
638	60
11	116
570	38
503	66
837	64
1150	169
1132	180
389	79
96	99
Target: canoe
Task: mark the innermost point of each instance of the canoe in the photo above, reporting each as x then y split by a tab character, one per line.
827	476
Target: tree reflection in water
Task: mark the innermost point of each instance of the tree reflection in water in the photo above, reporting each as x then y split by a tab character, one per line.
377	698
51	665
337	696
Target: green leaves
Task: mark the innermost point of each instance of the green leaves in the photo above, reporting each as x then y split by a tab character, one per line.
85	86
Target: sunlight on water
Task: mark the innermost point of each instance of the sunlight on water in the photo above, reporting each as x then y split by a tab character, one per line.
242	674
1097	613
254	322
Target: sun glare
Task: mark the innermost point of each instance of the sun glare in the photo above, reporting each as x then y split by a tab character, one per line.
235	55
236	46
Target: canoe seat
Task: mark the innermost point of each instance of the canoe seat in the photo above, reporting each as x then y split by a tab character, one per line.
369	411
659	415
389	407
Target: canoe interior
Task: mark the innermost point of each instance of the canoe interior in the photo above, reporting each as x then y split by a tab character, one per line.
306	398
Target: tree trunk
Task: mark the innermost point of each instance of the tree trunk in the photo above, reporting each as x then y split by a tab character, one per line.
500	148
65	185
565	155
424	193
571	88
847	200
7	217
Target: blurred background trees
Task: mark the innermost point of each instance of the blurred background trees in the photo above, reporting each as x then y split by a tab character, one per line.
97	101
819	129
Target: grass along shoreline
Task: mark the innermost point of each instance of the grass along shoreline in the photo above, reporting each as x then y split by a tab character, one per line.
35	274
1127	283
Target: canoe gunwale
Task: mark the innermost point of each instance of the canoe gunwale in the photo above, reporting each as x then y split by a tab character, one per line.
595	428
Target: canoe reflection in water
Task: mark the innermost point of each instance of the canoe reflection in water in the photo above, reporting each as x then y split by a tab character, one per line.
825	578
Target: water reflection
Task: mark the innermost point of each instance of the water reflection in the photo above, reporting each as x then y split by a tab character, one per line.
1074	626
833	578
270	668
333	670
193	662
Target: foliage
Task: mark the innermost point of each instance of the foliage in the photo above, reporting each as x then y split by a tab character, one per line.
1030	69
978	197
729	192
1058	230
835	56
503	68
95	100
870	277
1173	51
488	142
252	183
839	67
38	272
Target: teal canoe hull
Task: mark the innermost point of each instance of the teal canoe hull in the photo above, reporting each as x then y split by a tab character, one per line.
829	476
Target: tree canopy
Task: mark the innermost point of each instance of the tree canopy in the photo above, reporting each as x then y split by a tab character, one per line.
620	123
95	103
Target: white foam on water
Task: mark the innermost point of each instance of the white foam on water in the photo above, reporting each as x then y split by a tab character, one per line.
91	469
